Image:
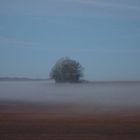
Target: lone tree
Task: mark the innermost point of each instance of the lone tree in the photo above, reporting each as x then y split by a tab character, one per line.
66	70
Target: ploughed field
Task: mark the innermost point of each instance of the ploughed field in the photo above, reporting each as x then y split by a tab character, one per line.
93	111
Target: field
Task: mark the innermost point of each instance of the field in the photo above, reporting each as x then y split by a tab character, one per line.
93	111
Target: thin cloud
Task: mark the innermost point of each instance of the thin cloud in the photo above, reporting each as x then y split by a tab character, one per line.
65	7
12	42
94	50
106	4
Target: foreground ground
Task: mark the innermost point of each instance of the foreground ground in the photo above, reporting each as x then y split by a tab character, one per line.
47	111
29	122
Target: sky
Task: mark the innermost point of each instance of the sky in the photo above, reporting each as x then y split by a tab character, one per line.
103	35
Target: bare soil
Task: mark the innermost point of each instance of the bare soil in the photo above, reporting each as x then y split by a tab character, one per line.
53	123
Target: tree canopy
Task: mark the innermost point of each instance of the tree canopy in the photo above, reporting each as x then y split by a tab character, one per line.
67	70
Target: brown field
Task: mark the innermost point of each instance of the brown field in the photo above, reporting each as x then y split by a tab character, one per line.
54	123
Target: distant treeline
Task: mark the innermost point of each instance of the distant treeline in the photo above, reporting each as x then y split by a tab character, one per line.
21	79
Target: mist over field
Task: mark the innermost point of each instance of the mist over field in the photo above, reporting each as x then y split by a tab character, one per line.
93	97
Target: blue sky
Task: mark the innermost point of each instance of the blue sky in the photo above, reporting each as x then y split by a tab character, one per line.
103	35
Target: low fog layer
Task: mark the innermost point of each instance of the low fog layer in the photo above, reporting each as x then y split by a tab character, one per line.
102	96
